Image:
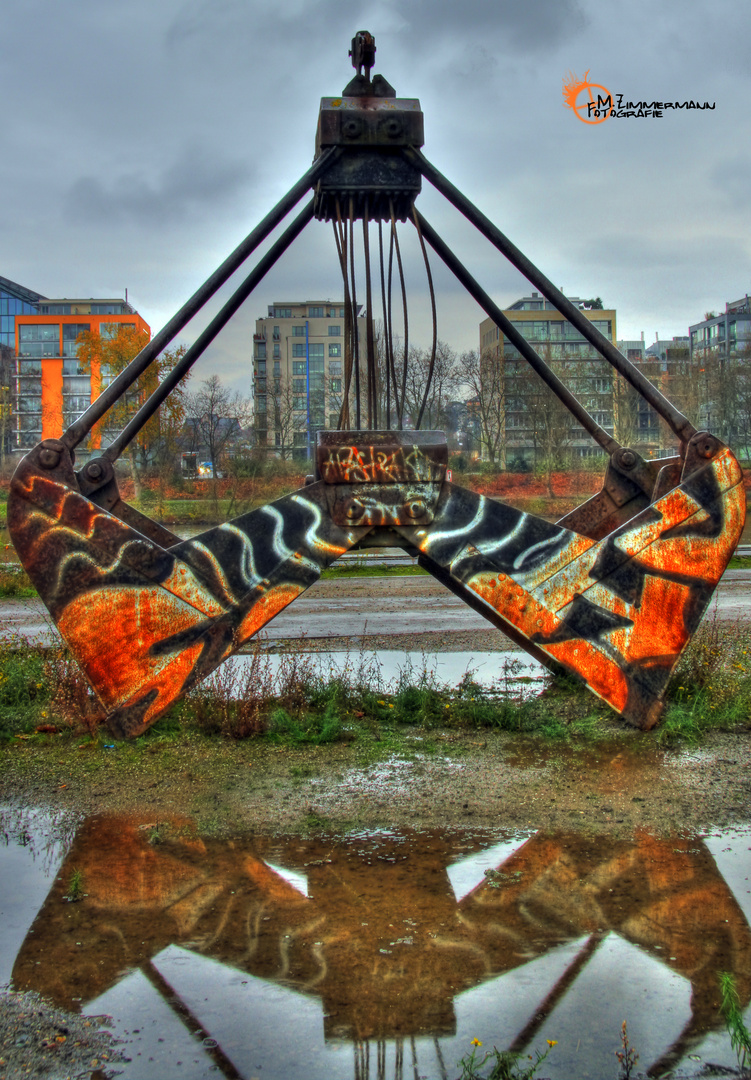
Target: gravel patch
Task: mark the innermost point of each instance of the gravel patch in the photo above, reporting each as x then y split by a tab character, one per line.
38	1040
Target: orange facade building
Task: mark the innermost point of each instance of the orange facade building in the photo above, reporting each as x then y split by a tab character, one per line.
52	388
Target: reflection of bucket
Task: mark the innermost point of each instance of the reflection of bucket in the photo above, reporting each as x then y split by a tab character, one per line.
375	926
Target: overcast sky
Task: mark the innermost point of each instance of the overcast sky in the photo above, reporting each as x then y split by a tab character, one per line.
142	141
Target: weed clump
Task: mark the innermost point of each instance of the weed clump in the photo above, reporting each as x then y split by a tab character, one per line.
711	685
24	692
232	700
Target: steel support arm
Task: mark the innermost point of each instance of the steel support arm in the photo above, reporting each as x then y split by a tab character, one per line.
83	425
199	346
680	424
561	391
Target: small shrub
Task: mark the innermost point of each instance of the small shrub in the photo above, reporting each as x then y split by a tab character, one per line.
75	887
73	702
730	1007
232	700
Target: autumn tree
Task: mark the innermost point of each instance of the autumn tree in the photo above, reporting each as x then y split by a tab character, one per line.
103	357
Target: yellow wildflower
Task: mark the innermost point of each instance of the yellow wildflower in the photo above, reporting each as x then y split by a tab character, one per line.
476	1042
551	1042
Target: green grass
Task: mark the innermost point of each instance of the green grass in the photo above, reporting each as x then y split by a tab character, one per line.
15	583
314	705
363	569
24	689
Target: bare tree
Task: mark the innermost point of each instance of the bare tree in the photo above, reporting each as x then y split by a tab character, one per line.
484	377
217	416
287	412
444	387
543	418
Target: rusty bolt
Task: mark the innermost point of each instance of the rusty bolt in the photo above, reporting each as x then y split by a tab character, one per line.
49	455
352	128
415	507
706	448
355	509
49	459
93	470
627	459
393	128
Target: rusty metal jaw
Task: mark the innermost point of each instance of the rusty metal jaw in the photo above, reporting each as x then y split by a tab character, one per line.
147	620
146	623
616	612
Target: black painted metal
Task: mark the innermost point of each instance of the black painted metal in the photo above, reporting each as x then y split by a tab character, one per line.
575	407
682	427
200	345
83	425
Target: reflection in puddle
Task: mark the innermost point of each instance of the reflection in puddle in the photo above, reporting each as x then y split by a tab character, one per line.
383	954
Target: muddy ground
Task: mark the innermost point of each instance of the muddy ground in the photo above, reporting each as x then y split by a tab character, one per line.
620	782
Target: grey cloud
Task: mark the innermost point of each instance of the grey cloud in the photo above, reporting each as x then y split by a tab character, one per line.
198	178
731	178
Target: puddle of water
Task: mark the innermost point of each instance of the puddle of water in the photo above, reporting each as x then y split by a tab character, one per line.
511	673
380	954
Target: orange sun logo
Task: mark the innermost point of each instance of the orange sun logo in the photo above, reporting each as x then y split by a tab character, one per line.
578	95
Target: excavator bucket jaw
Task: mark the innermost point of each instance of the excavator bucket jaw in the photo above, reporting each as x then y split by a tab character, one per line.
147	623
617	612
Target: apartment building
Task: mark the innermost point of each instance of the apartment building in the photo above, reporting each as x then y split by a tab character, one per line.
535	426
298	372
51	387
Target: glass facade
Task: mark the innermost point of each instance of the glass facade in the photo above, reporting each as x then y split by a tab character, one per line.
10	306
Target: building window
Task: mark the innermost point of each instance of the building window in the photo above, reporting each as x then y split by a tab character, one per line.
334	330
298	350
277	350
300	438
261	405
277	367
300	402
335	350
261	350
107	309
260	386
316	312
42	339
298	330
335	386
71	332
333	420
298	386
110	330
282	312
261	367
316	365
276	333
335	368
315	349
298	367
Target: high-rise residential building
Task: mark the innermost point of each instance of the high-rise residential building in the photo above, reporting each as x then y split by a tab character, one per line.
720	370
52	389
298	369
727	333
535	426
